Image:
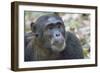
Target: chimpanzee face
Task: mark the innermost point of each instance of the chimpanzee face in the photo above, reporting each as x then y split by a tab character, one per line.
53	33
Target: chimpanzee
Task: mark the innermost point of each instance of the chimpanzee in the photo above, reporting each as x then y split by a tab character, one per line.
49	41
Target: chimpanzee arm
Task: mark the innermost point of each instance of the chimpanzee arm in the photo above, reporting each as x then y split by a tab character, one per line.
28	49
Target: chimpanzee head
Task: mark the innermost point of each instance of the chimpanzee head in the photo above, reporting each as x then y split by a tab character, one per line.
50	31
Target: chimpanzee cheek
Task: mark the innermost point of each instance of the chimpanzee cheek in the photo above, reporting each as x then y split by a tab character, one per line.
63	33
47	36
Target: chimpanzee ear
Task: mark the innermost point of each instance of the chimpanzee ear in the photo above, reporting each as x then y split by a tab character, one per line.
33	28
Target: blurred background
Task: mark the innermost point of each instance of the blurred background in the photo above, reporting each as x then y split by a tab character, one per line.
77	23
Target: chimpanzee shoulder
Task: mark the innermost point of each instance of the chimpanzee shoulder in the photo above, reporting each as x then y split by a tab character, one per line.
28	50
73	49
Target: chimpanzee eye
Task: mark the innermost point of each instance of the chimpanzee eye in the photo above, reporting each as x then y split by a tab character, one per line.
50	27
59	26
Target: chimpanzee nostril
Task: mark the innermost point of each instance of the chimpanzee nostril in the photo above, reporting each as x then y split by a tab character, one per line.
57	35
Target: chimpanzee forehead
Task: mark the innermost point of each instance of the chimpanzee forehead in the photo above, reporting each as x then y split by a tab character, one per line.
54	20
48	19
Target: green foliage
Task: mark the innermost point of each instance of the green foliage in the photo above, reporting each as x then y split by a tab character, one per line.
74	24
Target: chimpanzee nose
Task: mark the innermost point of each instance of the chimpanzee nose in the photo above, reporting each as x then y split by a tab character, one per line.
57	35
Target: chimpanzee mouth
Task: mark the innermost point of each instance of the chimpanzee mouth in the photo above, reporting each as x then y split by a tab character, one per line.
58	47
